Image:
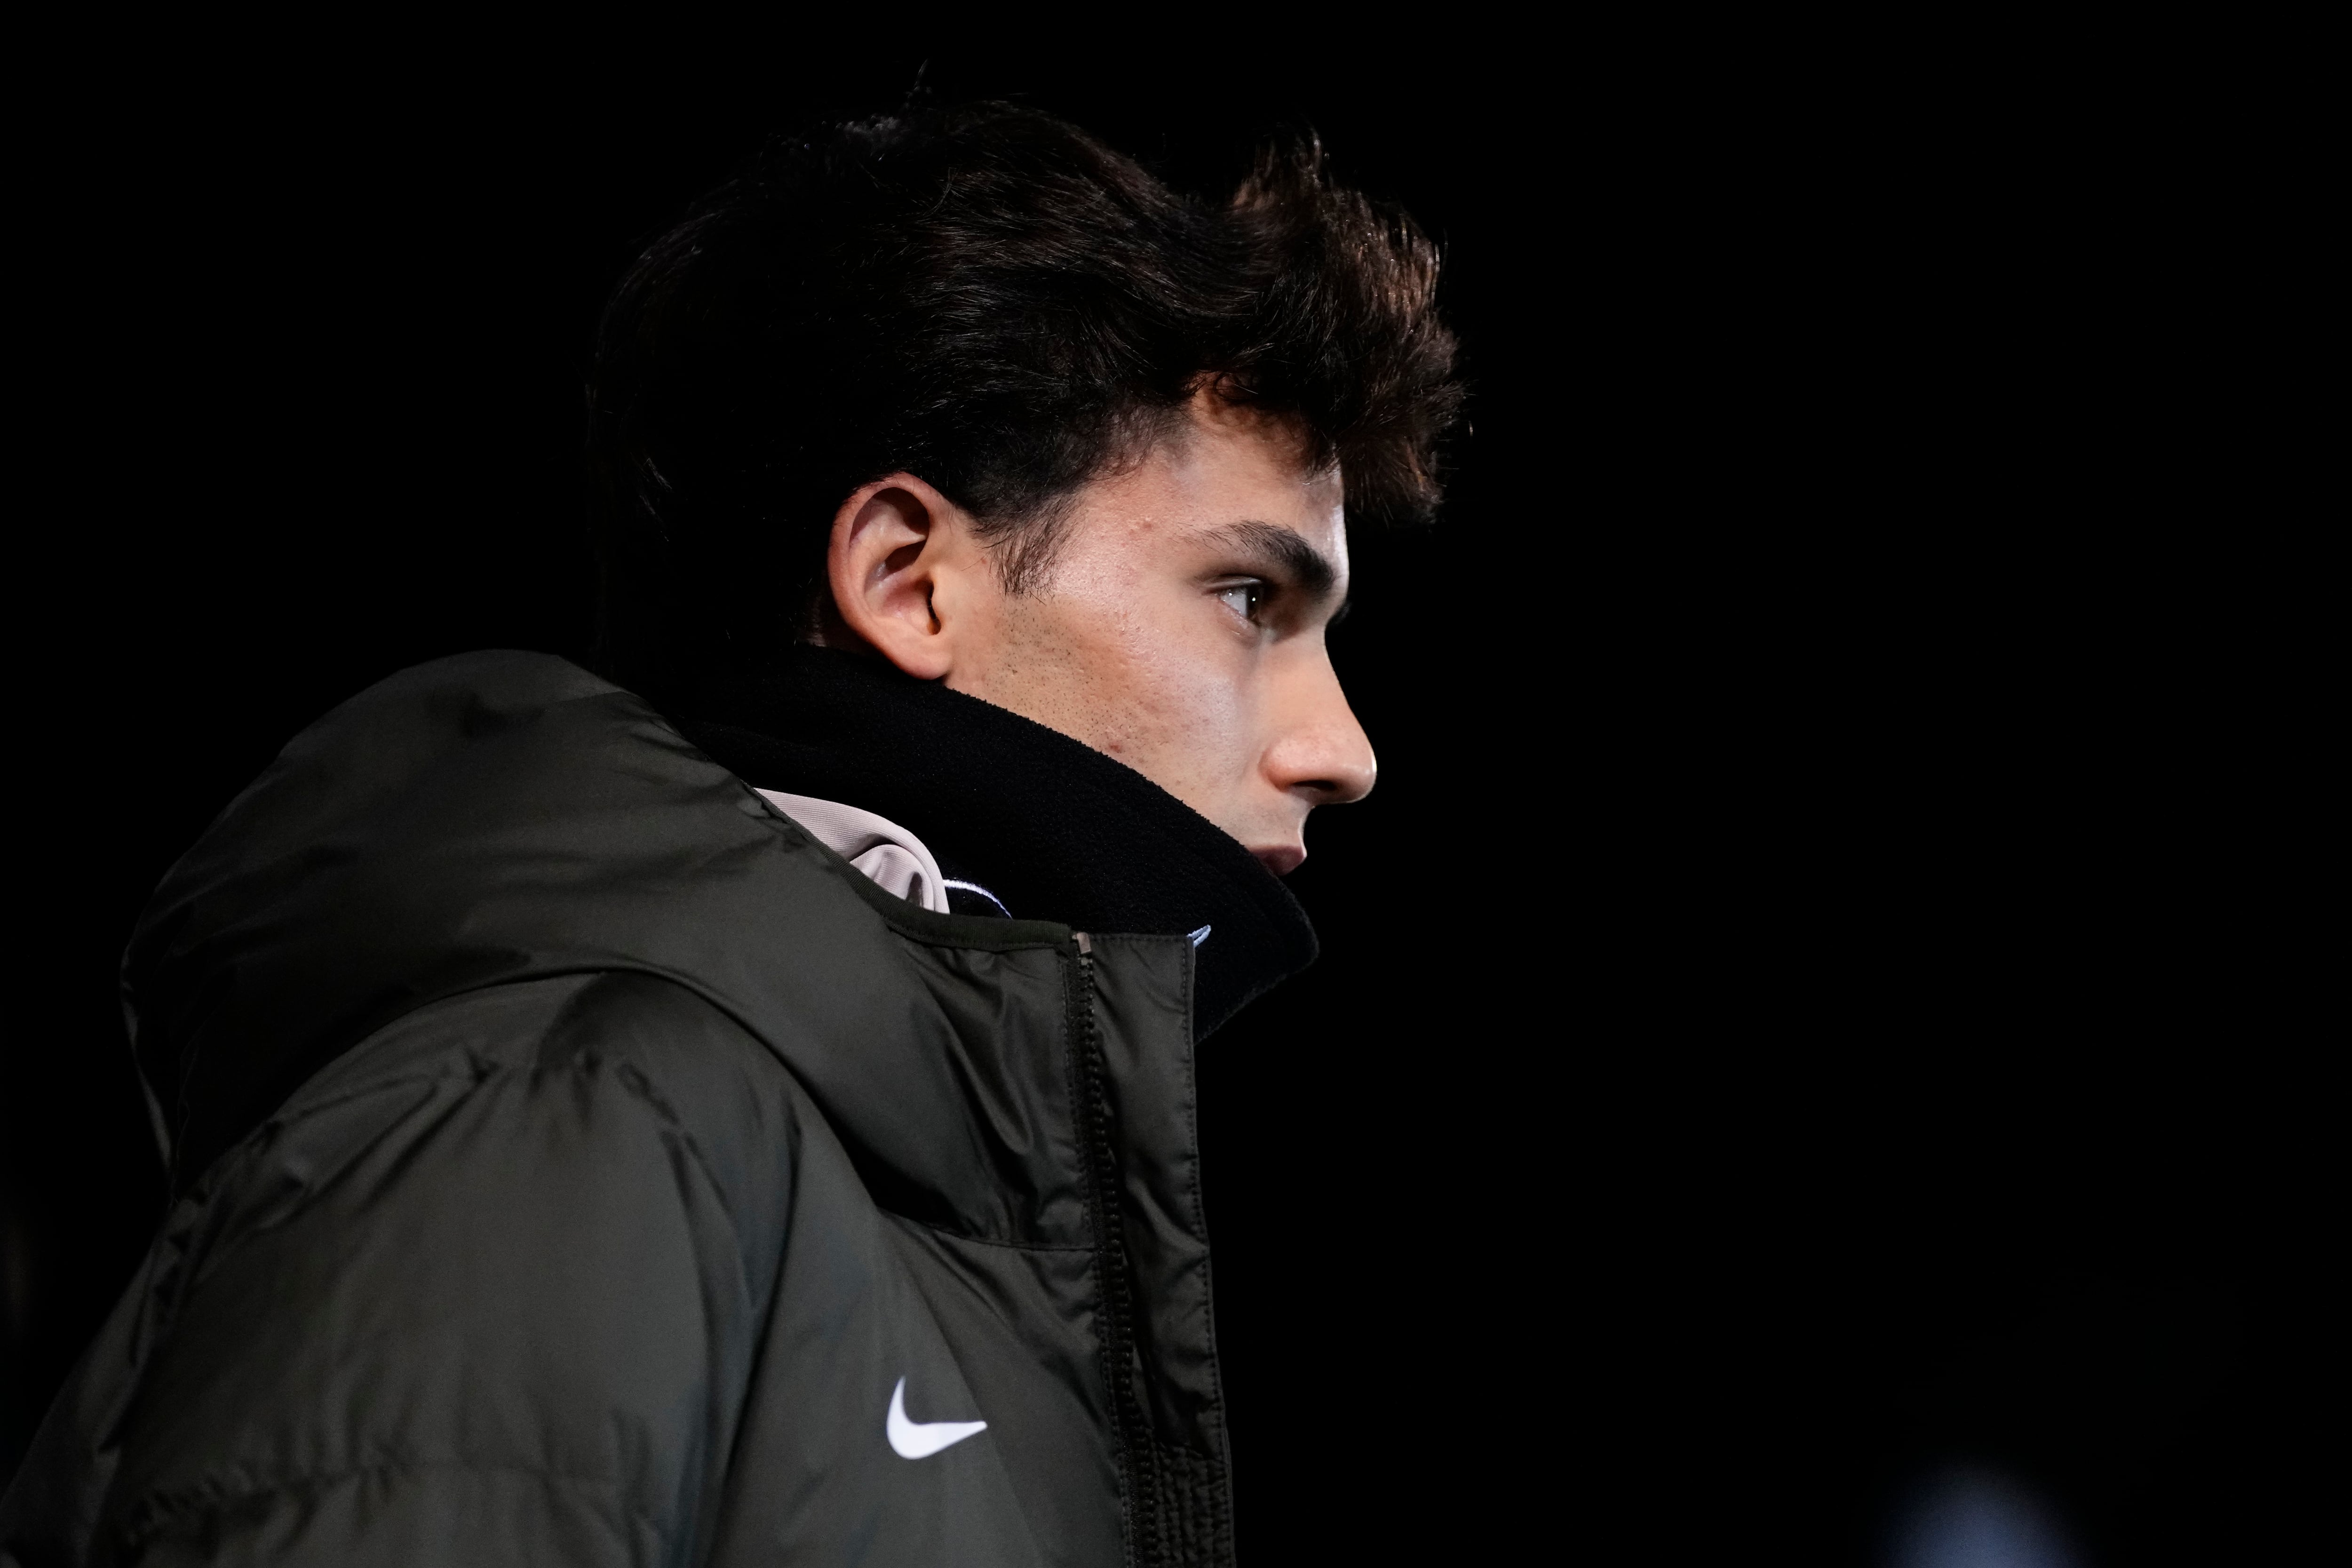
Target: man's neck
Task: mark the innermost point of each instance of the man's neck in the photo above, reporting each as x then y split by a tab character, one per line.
1052	828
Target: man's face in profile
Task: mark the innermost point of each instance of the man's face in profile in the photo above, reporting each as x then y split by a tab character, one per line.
1179	626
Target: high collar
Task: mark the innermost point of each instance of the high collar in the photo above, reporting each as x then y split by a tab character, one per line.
1056	829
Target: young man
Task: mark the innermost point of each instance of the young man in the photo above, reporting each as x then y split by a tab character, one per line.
742	1112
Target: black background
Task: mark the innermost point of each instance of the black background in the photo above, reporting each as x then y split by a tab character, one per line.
1807	1005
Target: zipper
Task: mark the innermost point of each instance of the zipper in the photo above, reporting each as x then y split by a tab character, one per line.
1132	1452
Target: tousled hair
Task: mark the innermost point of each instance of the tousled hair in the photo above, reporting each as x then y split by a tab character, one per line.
990	298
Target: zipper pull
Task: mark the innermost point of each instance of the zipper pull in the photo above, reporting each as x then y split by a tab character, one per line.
1085	944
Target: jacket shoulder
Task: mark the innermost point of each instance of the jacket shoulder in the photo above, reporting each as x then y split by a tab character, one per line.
619	1053
505	1261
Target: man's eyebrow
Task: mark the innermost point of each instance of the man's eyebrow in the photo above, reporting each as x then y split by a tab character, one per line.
1308	568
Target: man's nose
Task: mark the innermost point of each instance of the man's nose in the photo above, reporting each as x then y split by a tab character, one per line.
1321	751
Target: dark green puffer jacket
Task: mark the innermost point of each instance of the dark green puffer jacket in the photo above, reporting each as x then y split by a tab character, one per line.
576	1162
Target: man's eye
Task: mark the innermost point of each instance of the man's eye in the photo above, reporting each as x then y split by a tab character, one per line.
1244	599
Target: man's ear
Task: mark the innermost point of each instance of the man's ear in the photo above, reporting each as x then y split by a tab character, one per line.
884	564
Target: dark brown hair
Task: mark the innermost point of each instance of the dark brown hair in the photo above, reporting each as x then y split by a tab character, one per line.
992	300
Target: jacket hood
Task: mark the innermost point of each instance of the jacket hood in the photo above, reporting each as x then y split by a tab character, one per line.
482	819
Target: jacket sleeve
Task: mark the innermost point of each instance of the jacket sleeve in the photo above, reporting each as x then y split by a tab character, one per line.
486	1291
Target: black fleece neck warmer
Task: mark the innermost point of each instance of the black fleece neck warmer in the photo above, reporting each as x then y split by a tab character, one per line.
1054	829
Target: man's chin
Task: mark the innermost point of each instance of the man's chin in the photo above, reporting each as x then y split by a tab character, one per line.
1281	859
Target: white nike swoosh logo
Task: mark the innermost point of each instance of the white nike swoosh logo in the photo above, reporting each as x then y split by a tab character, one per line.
921	1439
